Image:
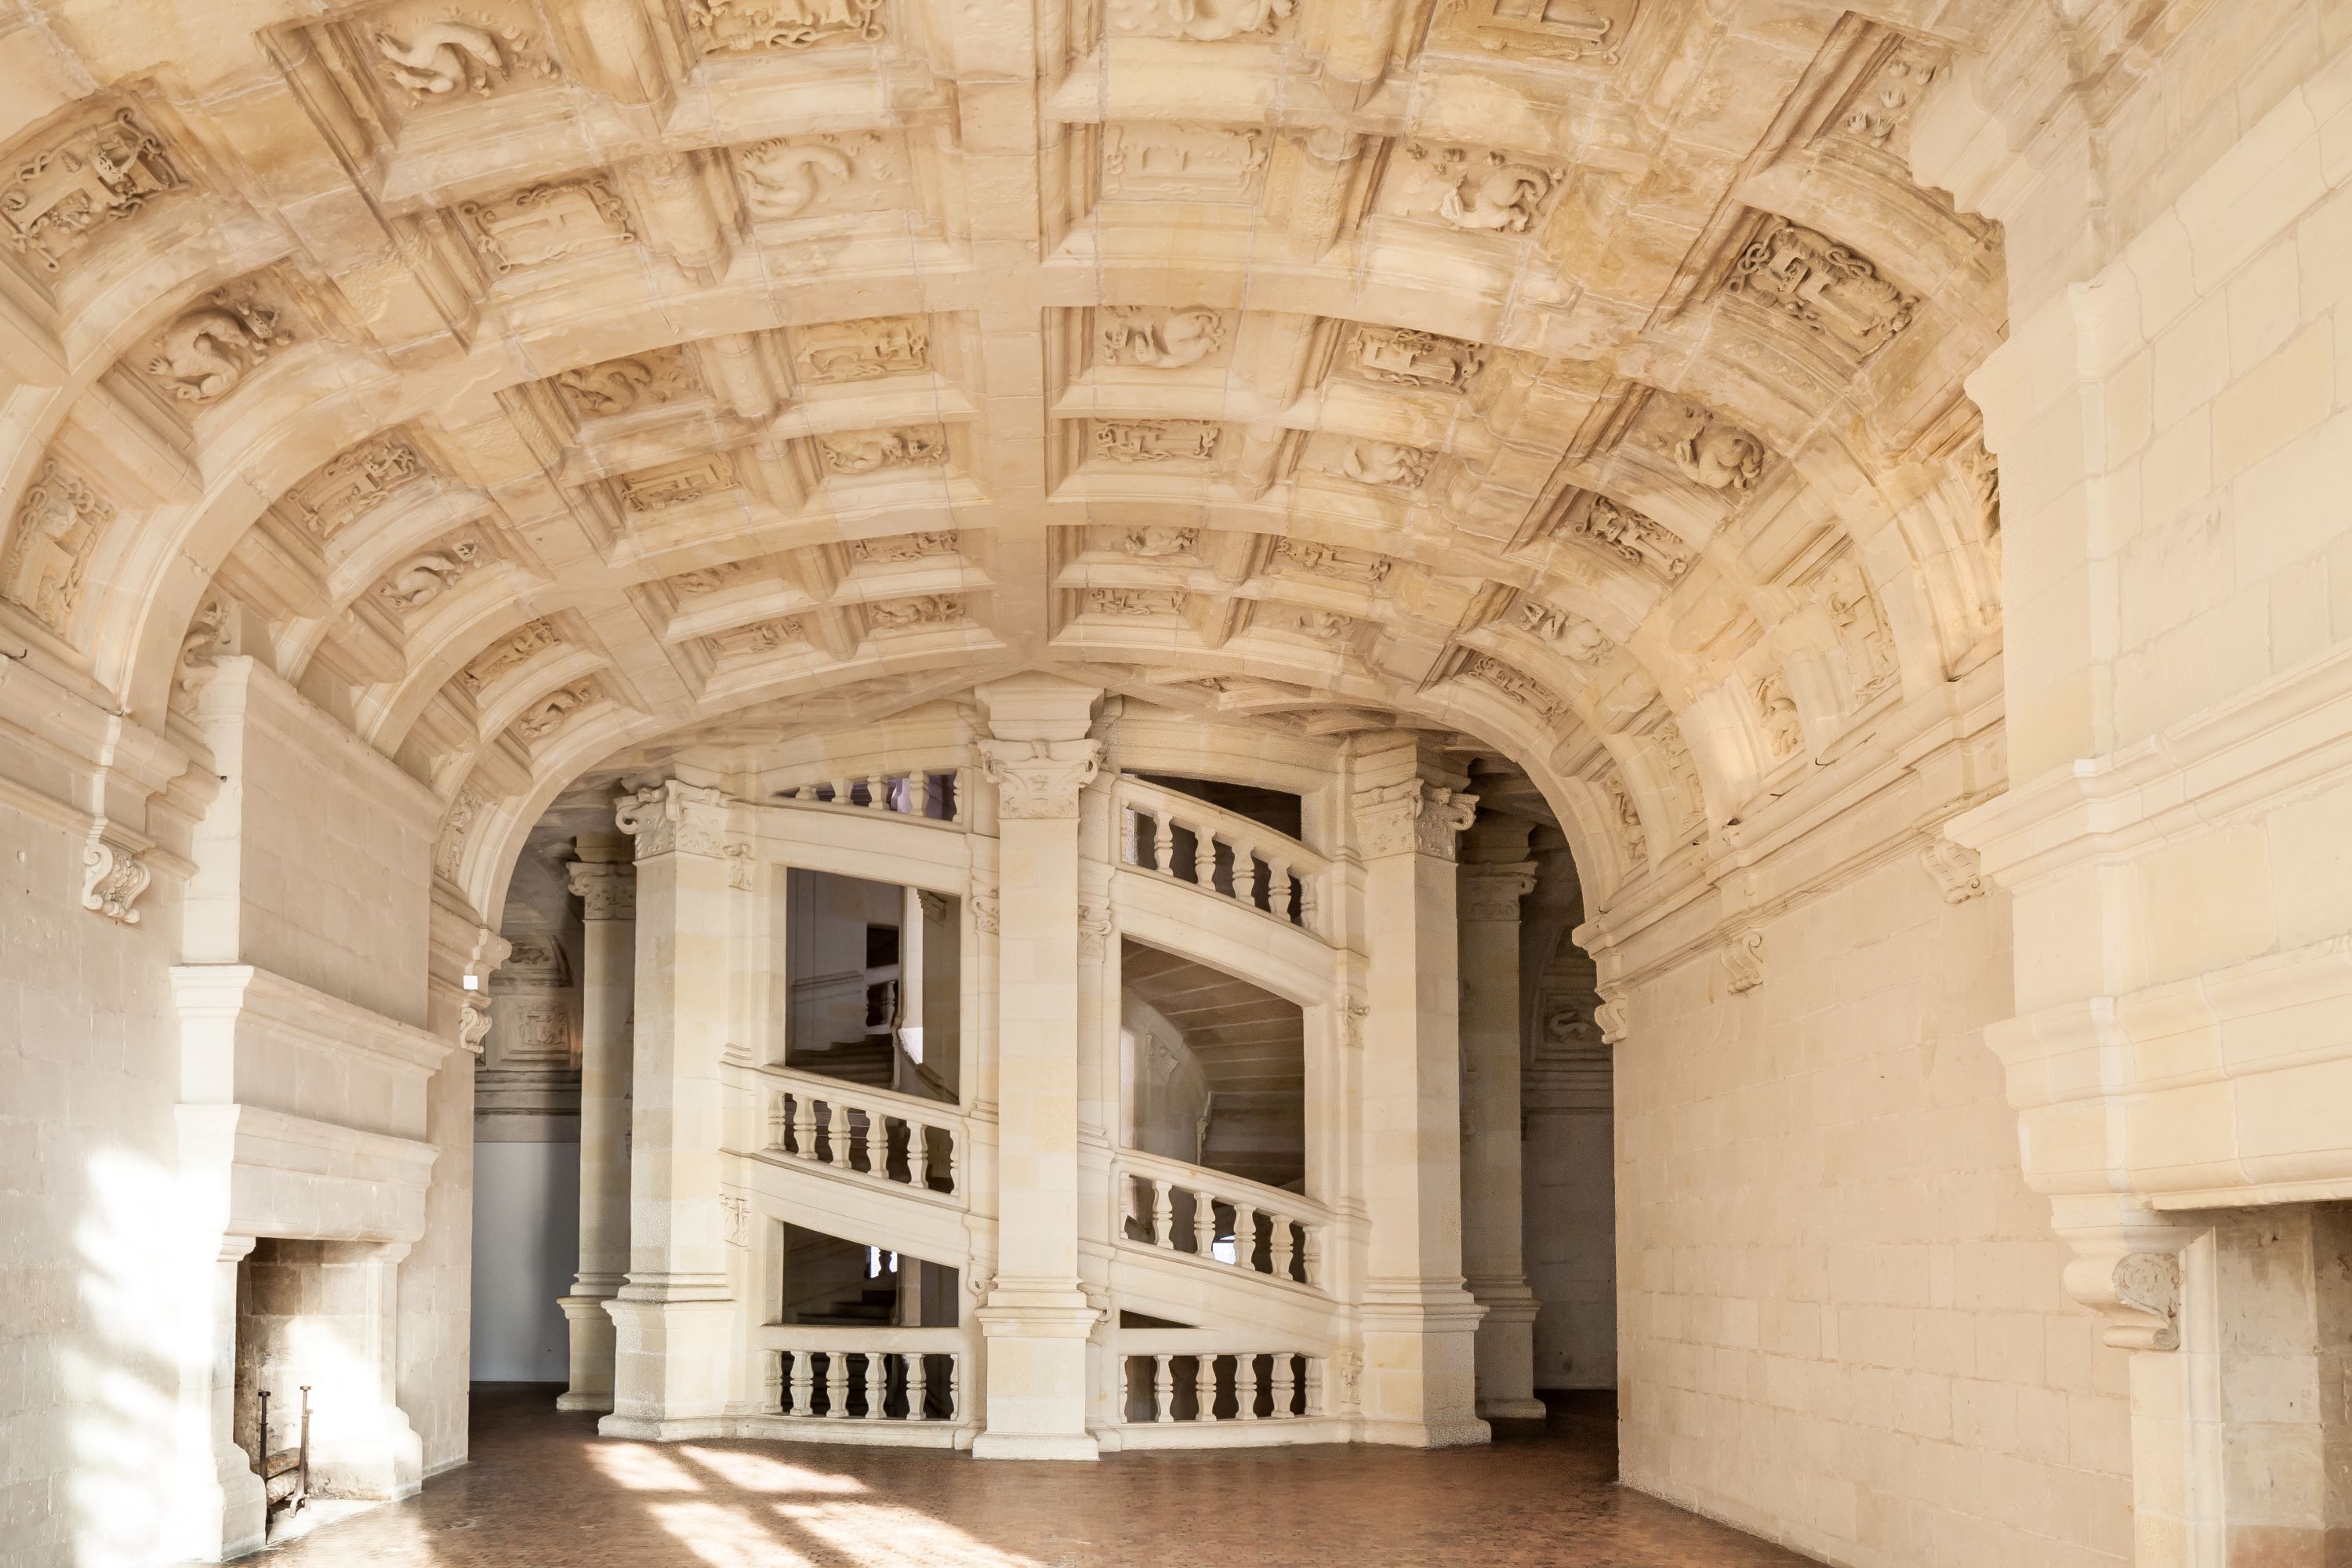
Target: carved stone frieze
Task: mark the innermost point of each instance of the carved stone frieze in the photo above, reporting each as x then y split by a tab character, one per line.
1879	110
58	525
676	484
862	350
1309	558
872	451
327	500
1130	602
1862	632
771	27
1399	356
1631	536
1173	160
1329	628
457	827
1154	440
759	636
606	891
626	385
208	639
56	198
674	817
1202	21
442	58
704	580
1163	340
922	610
1576	638
1414	817
1514	683
425	576
1784	728
545	223
1481	191
1827	287
508	652
1382	463
1579	32
899	549
543	719
210	348
1715	453
1624	816
1159	541
1039	779
797	176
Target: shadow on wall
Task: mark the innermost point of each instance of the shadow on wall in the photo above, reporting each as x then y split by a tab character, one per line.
119	1377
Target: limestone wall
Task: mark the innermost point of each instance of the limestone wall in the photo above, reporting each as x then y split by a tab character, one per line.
1840	1305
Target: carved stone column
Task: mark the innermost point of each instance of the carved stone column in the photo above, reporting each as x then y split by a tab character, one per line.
672	1318
1035	1317
1420	1324
1493	1251
606	887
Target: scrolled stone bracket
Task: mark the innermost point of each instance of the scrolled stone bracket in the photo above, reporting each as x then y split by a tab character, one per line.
1412	817
606	891
1743	960
1957	870
1611	1016
114	872
1039	780
2138	1294
1493	892
674	817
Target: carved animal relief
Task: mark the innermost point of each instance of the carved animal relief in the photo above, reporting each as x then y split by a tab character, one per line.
1163	340
432	59
429	573
1482	192
508	652
1715	453
871	451
1133	602
1204	21
901	548
550	713
620	386
1160	541
1830	289
1575	637
58	525
207	350
1784	729
1155	440
1395	356
1631	536
59	197
1382	463
927	610
861	350
1624	818
761	636
759	26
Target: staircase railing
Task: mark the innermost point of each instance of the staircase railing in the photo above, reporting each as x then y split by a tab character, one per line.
1225	853
1181	1208
876	1134
871	1375
1204	1376
934	794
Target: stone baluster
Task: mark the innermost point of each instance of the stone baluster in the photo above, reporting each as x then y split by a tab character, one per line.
803	1383
1310	1258
1204	855
836	1135
877	1384
1245	1387
1205	1223
1205	1386
878	792
1163	1389
836	1386
1310	904
1278	1245
1277	887
1163	844
1244	1235
918	1384
845	792
779	1119
955	1163
803	1126
1163	1215
919	1156
772	1381
1285	1385
1314	1385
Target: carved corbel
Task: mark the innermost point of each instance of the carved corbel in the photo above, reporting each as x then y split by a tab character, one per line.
1612	1019
1743	960
474	1024
1414	816
1037	779
2127	1268
1956	869
671	818
113	872
1493	892
606	891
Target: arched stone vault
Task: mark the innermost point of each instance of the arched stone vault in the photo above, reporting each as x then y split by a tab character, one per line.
572	377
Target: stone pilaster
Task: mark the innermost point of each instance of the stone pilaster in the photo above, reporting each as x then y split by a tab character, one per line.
606	886
219	1507
1035	1316
1492	1235
1420	1324
672	1317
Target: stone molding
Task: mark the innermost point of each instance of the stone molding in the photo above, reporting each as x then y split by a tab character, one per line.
674	817
1491	892
1039	780
606	890
294	1176
242	994
1414	818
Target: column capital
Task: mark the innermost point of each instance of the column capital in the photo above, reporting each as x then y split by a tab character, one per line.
1491	892
606	890
1411	818
1039	779
672	816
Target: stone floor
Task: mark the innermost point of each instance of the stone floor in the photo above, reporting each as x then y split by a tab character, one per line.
544	1492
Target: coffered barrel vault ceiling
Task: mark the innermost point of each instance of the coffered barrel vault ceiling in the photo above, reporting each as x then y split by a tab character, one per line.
529	382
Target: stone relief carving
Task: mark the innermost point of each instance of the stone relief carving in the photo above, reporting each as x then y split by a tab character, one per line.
208	639
1352	1014
1132	602
1155	440
1172	159
1398	356
473	1026
57	198
2147	1284
673	818
1634	537
737	1210
871	451
1039	779
508	652
1385	463
1743	960
1360	567
207	350
113	874
1862	632
984	915
427	574
1576	31
330	498
676	484
58	525
782	177
606	891
1880	110
1611	1018
1682	772
452	56
1204	21
1578	639
1094	932
924	610
1414	816
1956	869
1483	192
758	26
1327	627
545	716
1514	683
449	848
900	548
1715	453
545	223
625	386
743	865
1163	340
861	350
1624	818
1159	541
1493	892
1784	728
759	636
704	580
1830	288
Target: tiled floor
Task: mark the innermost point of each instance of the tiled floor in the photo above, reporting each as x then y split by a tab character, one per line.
543	1492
